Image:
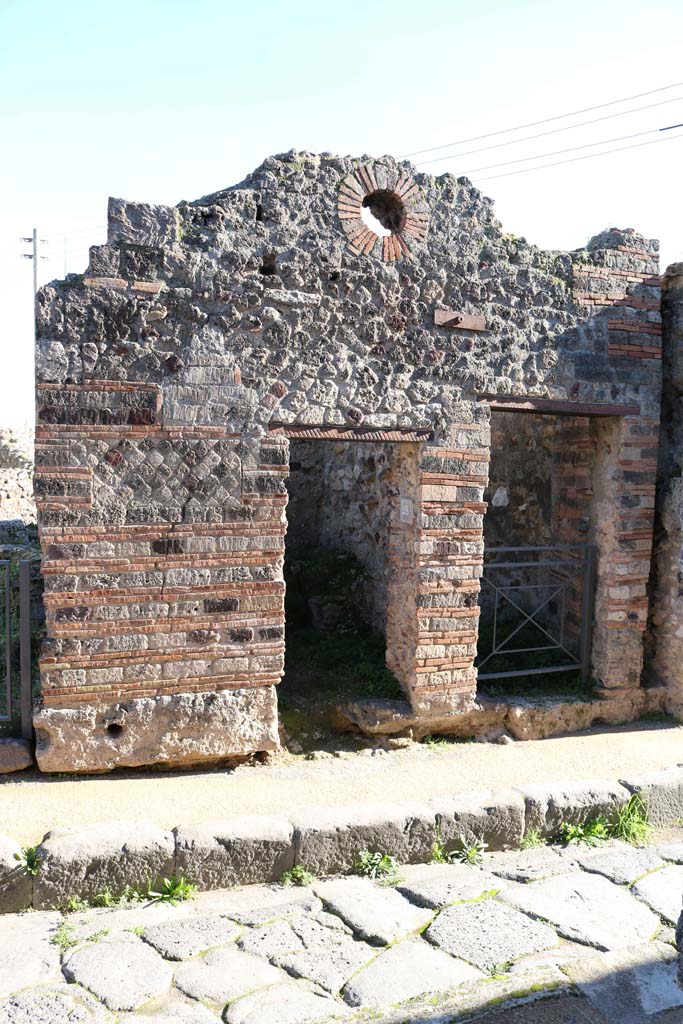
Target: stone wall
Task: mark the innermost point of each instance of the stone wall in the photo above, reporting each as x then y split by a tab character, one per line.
665	636
16	475
204	337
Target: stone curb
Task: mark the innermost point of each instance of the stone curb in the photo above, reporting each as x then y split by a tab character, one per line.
86	860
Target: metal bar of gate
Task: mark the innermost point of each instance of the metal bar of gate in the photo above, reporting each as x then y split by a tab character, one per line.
26	701
5	566
587	562
587	613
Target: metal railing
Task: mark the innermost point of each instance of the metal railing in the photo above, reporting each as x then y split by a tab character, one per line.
545	593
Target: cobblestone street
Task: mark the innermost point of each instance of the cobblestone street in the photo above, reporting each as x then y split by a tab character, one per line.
544	936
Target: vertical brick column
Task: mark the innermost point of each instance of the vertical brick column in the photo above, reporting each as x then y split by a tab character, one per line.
620	287
439	557
624	481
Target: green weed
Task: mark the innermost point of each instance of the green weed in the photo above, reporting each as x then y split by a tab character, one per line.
64	937
174	890
469	853
75	905
374	864
632	823
593	833
297	875
29	860
532	839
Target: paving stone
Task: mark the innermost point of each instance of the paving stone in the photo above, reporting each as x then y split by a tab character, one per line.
223	975
495	818
274	900
123	973
378	915
629	983
328	840
529	865
16	884
488	933
405	971
132	917
587	908
327	957
58	1004
284	1004
548	805
437	886
27	954
86	860
662	891
622	864
171	1011
291	908
178	940
671	851
237	851
270	940
558	956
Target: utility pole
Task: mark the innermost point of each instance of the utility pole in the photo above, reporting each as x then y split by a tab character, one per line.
34	255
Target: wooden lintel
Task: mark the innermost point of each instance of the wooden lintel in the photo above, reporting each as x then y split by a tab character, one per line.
460	321
556	407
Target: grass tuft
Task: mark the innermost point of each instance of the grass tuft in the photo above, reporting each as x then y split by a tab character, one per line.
298	875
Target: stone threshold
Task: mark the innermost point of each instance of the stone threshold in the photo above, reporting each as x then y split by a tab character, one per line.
86	860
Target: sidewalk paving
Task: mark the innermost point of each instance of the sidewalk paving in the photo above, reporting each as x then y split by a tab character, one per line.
31	804
544	936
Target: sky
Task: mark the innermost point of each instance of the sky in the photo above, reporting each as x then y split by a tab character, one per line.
163	100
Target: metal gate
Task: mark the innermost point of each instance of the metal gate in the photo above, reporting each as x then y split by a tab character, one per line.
15	650
538	602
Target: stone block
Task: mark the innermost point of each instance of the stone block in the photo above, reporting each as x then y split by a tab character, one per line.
124	972
184	728
328	841
15	755
547	806
88	859
141	223
238	851
406	971
662	793
493	817
380	916
16	884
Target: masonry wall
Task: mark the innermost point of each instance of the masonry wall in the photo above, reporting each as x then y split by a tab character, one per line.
665	635
204	338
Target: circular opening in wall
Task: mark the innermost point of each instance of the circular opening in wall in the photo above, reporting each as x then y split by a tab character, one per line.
383	212
114	729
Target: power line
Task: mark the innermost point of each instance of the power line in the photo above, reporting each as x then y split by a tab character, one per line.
552	131
545	120
557	152
574	159
80	231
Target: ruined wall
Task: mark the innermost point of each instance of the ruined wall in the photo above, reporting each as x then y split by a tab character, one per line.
203	337
340	496
665	638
